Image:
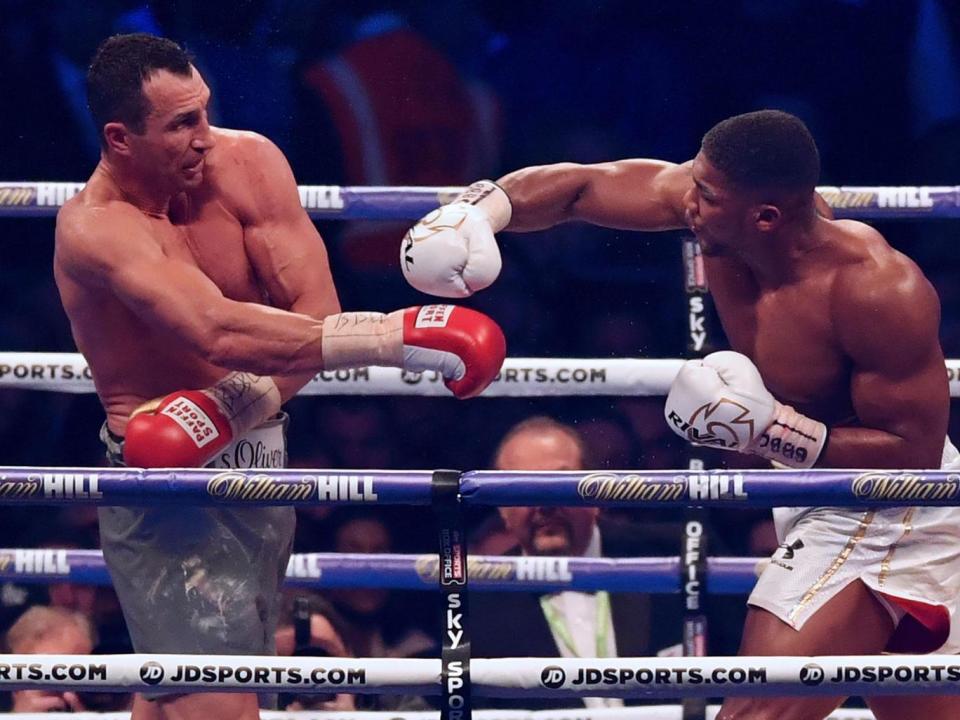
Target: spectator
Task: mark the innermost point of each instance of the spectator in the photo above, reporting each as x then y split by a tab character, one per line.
560	624
374	626
309	626
572	623
54	631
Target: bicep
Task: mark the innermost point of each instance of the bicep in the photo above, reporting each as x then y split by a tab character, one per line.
635	195
164	293
170	296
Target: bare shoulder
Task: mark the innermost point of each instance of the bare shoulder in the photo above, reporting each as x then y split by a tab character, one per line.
872	271
245	147
879	293
93	235
251	172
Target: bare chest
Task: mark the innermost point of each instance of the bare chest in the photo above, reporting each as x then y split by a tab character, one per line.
789	334
212	239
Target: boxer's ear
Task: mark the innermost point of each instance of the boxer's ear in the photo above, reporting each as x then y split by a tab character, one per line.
767	217
117	137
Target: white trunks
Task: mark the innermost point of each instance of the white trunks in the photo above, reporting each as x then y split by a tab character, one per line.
906	554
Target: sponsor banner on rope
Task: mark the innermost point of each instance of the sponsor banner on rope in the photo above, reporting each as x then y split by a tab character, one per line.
64	372
716	676
15	195
254	674
904	197
518	570
630	487
47	671
236	486
519	377
51	486
892	674
556	677
34	562
905	487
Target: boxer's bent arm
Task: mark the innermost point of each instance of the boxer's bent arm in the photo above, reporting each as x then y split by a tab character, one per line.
114	250
283	245
627	195
888	324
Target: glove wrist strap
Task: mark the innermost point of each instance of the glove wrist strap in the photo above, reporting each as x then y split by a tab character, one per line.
492	199
245	399
792	439
361	339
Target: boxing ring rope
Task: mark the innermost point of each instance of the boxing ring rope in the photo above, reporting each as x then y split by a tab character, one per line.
642	712
643	677
333	202
493	573
635	489
519	377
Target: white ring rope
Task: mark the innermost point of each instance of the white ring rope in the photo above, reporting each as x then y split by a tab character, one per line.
520	377
642	712
504	677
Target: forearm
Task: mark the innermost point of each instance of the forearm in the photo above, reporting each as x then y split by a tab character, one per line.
544	195
322	306
855	447
262	340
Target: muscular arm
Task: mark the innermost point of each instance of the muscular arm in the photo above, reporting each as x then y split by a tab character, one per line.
284	247
627	195
112	248
888	322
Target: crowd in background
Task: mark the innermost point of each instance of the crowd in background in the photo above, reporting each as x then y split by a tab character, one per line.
460	90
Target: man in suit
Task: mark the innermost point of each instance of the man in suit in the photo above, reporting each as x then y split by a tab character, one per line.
570	623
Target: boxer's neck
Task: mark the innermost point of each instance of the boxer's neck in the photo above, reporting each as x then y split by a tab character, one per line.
149	195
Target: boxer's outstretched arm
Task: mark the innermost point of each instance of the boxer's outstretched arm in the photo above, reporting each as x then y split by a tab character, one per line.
283	245
113	249
627	195
888	324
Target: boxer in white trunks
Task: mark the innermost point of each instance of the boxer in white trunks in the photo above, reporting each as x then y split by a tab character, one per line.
837	364
199	292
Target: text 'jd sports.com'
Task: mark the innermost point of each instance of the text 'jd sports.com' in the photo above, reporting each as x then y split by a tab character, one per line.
554	676
153	673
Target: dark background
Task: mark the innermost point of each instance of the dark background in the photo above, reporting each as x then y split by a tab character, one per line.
877	82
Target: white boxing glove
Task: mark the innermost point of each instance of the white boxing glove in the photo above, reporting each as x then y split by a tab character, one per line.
721	402
452	251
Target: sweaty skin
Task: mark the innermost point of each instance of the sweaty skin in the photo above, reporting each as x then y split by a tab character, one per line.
174	264
841	326
169	299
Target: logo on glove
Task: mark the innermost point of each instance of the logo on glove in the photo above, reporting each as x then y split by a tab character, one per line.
424	229
722	424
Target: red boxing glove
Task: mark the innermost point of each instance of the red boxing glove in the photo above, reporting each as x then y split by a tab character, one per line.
465	346
189	427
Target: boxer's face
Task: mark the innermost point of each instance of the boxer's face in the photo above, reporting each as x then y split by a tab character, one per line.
177	137
716	211
546	530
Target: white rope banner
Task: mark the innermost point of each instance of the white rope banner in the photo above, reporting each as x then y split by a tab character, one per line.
519	377
504	677
225	673
717	676
646	712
